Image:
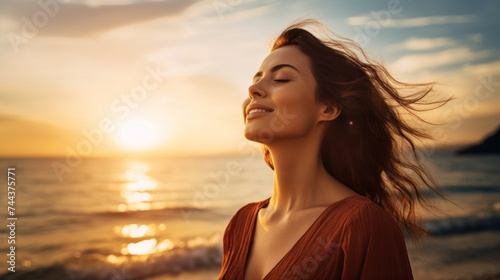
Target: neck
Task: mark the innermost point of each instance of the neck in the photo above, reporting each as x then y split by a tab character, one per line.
300	179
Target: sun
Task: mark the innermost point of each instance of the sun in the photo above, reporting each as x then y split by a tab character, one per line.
137	134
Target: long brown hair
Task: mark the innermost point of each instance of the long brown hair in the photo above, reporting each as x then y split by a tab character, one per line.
370	147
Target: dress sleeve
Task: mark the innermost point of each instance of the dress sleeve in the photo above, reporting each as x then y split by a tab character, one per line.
225	247
374	247
236	237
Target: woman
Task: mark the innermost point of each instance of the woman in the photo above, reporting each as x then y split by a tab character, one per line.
332	128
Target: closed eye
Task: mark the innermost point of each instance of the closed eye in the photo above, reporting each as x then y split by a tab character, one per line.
281	81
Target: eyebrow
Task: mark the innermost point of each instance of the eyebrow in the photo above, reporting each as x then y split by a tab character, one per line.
276	68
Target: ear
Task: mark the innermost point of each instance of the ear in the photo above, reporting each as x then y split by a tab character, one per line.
329	112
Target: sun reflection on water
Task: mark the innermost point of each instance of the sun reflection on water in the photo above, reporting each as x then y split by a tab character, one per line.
136	231
137	195
144	247
136	192
148	246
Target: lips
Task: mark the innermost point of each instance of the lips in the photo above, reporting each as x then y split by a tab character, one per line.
256	109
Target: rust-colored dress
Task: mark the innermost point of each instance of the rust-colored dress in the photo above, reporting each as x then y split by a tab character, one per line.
353	238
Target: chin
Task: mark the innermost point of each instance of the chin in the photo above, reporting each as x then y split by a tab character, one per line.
260	135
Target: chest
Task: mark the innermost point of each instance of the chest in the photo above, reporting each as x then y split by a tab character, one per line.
274	243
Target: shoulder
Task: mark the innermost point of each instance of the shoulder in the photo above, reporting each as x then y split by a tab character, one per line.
240	226
363	207
243	217
367	220
372	243
360	216
248	210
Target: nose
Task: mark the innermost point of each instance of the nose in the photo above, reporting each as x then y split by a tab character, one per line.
255	91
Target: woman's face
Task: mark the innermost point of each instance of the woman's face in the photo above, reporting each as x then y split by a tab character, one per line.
282	102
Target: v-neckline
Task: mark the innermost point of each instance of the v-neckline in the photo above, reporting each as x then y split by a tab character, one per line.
253	225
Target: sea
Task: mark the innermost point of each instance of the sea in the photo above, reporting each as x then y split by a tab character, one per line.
164	218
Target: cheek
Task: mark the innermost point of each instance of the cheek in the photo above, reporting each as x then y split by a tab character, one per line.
295	111
244	106
299	103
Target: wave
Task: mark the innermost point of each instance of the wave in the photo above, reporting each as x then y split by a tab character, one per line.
168	211
151	213
481	221
495	275
471	189
99	264
460	190
74	219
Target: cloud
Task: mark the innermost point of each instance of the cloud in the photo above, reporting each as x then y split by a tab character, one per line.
418	44
23	137
416	62
410	22
74	19
249	13
489	68
473	111
470	129
475	38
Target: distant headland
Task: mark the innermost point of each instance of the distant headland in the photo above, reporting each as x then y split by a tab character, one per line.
490	145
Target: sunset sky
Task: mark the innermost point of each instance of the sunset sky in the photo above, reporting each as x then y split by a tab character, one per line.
91	75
